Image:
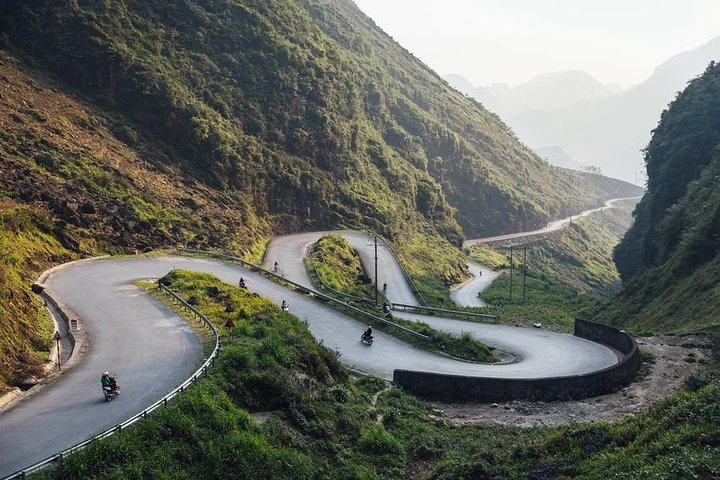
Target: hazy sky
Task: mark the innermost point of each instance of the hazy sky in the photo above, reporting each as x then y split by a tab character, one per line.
511	41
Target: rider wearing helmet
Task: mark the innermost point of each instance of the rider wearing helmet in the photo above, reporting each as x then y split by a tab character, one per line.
368	333
105	379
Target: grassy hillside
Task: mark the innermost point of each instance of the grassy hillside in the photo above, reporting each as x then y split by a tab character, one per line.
481	167
306	109
70	187
278	405
669	259
28	246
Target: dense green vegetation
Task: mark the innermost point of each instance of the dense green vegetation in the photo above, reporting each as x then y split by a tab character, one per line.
339	267
669	259
323	423
27	247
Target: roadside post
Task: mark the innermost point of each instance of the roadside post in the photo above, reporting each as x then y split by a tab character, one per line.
229	325
56	337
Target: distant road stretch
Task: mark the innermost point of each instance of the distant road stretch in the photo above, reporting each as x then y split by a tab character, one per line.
550	227
468	294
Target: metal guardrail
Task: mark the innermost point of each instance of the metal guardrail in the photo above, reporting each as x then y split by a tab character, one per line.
304	289
406	307
58	457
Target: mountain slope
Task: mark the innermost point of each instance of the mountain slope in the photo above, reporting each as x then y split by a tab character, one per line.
670	258
313	112
131	125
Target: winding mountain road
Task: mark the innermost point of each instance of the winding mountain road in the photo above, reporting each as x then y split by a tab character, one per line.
289	251
467	294
550	227
152	350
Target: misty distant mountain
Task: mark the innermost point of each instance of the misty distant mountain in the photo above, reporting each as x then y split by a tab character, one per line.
549	91
558	157
607	131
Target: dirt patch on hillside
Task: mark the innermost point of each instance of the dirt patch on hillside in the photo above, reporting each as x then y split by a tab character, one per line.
675	359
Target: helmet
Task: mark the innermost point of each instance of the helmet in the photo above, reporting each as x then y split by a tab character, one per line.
106	373
369	326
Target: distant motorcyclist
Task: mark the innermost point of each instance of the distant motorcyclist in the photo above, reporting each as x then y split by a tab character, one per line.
109	386
367	335
108	381
285	306
242	283
105	380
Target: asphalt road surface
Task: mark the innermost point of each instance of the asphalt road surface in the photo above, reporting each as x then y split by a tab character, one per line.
152	350
550	227
467	294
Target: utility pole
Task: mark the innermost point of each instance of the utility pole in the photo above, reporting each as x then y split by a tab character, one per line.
376	275
511	273
524	272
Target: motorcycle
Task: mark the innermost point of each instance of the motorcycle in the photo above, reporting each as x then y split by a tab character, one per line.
366	339
111	392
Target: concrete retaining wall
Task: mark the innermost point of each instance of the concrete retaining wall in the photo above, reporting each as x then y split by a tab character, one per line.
435	386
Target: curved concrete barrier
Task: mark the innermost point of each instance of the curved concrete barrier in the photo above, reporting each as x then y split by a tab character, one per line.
437	386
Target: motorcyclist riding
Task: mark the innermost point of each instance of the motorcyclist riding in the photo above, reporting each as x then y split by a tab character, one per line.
109	385
105	380
367	335
242	283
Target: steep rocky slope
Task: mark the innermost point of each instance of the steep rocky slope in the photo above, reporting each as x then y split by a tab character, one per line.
307	109
669	259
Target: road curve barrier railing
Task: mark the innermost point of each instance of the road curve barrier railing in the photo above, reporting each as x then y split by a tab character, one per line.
433	310
443	387
199	373
304	289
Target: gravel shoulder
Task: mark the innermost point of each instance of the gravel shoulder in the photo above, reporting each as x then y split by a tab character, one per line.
675	359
